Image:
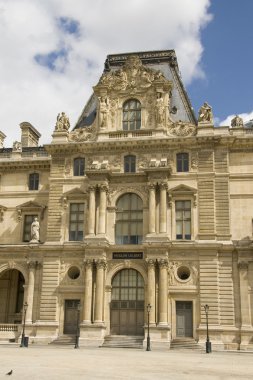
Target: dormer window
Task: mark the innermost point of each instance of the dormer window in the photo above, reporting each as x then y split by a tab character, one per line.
131	115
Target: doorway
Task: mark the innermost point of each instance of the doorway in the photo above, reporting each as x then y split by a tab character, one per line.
127	305
184	319
70	316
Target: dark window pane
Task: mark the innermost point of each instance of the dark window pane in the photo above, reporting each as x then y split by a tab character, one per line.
183	219
76	219
182	162
34	181
79	164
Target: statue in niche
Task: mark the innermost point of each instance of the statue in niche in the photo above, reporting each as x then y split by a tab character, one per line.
103	108
237	122
205	114
160	108
62	122
35	229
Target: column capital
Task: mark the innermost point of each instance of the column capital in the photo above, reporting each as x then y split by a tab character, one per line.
163	263
101	264
91	188
88	263
104	187
151	263
151	185
163	185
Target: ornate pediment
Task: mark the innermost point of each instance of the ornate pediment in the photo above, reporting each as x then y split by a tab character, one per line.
182	190
76	192
132	77
30	206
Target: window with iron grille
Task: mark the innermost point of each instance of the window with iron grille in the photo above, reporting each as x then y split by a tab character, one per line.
34	181
182	162
76	221
131	115
183	220
130	164
129	220
79	164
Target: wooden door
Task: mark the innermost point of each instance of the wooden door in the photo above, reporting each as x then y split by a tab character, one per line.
70	317
127	305
184	319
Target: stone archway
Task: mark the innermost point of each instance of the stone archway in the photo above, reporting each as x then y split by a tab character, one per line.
127	303
12	296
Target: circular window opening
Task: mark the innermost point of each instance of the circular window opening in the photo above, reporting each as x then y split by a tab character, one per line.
73	273
183	273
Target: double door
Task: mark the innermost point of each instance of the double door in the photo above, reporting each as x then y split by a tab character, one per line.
71	317
184	319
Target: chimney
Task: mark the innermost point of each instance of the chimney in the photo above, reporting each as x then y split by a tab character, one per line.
29	135
2	137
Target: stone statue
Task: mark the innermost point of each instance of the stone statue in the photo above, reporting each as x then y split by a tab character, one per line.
160	108
62	122
17	147
237	122
103	107
205	114
35	228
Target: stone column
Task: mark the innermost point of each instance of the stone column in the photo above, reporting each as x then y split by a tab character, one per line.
163	292
244	284
92	210
30	291
152	208
151	290
163	208
87	292
99	295
102	209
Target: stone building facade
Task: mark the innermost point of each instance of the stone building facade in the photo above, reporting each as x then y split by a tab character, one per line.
140	203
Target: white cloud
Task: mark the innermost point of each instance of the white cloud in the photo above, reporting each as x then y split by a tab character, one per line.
30	28
245	116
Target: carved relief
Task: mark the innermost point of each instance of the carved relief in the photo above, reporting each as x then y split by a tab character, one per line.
174	273
83	134
237	122
182	129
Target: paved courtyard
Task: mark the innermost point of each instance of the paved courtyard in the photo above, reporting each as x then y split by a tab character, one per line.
37	362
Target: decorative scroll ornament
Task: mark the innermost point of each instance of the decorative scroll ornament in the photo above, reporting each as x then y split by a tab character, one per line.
83	134
182	129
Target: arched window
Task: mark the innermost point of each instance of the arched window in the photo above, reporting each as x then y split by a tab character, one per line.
34	181
79	166
130	164
131	115
129	219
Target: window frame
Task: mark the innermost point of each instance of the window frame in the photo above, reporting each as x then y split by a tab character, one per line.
183	162
78	169
124	221
35	182
77	222
184	219
131	164
134	123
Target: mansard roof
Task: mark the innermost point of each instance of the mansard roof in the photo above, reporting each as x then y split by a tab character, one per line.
164	61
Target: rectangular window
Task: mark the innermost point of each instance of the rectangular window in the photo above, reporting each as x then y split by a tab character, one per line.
129	164
183	220
27	227
79	164
182	162
34	181
76	220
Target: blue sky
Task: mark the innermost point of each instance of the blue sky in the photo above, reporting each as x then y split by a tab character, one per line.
227	60
53	52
